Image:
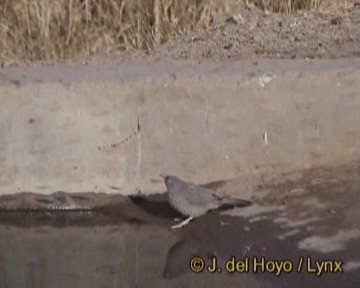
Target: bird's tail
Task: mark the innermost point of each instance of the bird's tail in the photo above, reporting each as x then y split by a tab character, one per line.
227	203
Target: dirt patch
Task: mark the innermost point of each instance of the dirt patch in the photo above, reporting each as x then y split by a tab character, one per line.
251	33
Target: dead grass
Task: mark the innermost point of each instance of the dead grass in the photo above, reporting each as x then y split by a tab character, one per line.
290	6
64	29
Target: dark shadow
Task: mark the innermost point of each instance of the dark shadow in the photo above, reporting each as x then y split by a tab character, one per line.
156	205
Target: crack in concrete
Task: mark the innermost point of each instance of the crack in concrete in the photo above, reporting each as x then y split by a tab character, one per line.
138	132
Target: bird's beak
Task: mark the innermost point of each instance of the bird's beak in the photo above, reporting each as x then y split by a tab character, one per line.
162	176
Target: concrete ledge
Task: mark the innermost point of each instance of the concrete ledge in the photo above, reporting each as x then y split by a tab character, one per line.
115	128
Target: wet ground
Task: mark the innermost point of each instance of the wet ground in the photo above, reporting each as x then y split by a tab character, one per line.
302	230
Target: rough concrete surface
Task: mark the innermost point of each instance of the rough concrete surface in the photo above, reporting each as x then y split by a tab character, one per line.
114	129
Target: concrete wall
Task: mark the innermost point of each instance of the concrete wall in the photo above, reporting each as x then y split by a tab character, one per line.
115	128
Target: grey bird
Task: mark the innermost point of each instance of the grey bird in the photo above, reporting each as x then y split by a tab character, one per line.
194	201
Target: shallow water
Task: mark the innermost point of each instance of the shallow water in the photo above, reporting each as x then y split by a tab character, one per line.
132	245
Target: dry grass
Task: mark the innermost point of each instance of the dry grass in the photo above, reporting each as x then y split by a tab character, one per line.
290	6
65	29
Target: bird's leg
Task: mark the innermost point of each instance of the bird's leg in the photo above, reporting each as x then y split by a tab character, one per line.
183	223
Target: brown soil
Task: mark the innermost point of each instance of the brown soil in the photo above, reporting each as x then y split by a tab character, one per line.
250	33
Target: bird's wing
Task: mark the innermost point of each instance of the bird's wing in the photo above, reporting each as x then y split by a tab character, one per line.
200	195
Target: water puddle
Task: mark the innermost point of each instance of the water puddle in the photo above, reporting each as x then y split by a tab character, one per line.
130	243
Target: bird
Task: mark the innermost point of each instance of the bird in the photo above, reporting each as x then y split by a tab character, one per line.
194	201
